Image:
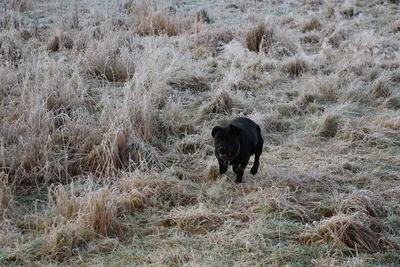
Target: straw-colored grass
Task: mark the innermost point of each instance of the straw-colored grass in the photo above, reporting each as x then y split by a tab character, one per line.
221	103
345	231
106	153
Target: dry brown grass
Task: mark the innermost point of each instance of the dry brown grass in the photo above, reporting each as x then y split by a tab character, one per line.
392	102
58	42
342	230
85	216
211	42
259	36
192	83
363	201
380	88
294	66
199	221
329	125
106	62
312	38
106	154
158	23
21	5
202	16
396	26
5	195
165	191
222	103
274	199
212	172
190	144
311	24
11	51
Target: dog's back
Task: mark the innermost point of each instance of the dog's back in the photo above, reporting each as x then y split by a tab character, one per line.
250	129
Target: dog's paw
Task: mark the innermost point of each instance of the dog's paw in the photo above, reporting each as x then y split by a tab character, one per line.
253	171
238	180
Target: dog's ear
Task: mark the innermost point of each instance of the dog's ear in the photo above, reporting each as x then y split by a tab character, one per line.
215	130
234	129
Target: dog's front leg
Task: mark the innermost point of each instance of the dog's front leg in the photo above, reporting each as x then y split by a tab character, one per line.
239	170
223	167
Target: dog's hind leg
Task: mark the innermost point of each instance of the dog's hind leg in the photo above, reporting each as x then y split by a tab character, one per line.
256	163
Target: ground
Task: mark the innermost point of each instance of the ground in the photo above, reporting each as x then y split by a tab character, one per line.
106	154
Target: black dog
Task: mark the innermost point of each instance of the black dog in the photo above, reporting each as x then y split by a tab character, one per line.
234	143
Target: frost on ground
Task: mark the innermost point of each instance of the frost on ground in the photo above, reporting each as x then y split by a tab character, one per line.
106	156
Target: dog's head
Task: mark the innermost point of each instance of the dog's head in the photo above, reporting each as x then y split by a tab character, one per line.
226	142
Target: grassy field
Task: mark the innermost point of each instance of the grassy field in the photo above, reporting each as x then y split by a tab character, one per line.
106	111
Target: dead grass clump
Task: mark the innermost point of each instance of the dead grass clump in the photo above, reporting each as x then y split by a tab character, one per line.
107	63
222	103
202	16
294	66
311	24
102	246
349	12
319	89
190	144
199	221
5	194
380	88
275	199
127	5
97	160
257	37
390	123
190	83
310	38
156	191
329	126
119	150
8	233
101	212
9	22
66	239
392	102
306	98
392	194
287	109
337	34
274	123
211	42
96	210
273	126
58	42
11	52
363	201
21	5
211	172
343	230
290	206
104	154
158	23
395	26
195	223
357	135
8	80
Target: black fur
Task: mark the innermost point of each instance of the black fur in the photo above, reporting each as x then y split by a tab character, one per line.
235	143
